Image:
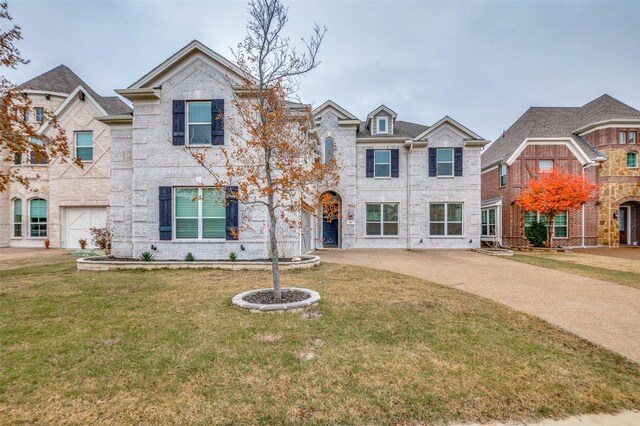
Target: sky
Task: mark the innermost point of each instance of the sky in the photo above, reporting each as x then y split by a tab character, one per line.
481	63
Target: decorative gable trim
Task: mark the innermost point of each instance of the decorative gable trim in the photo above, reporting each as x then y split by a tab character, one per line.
64	106
343	114
380	109
448	120
606	124
568	142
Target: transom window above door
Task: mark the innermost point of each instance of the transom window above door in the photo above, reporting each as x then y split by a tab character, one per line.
199	122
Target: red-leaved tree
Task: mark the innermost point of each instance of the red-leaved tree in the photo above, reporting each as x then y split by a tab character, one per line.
555	193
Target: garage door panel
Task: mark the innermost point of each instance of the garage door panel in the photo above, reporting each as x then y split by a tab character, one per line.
78	221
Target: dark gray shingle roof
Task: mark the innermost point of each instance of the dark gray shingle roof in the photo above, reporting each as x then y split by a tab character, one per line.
557	122
401	129
62	80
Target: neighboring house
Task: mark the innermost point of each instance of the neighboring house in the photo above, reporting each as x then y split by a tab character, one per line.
599	140
403	185
66	200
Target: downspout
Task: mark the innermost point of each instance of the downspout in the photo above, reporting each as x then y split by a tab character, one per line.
583	218
409	197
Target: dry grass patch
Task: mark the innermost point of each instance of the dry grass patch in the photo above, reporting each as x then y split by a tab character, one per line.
168	347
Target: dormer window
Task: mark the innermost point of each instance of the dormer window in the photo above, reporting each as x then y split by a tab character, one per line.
382	125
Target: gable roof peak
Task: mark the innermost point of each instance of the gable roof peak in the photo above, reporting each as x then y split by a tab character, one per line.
382	107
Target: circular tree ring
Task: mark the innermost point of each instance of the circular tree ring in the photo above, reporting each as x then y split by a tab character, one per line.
313	299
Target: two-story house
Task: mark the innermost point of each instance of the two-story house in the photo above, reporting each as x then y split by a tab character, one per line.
599	140
65	200
403	185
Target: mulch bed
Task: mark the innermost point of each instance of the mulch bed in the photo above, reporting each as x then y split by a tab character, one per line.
267	297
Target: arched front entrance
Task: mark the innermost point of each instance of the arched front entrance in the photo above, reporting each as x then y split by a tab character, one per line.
331	205
629	223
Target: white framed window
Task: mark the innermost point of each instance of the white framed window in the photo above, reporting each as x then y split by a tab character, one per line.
382	125
445	219
632	138
503	175
622	137
84	146
545	166
27	116
444	162
561	222
200	213
199	122
39	111
329	149
35	157
382	219
37	218
16	218
382	163
488	222
632	160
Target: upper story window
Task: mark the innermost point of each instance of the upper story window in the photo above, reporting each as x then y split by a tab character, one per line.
382	125
329	149
622	137
38	218
382	163
84	146
27	116
503	174
632	137
199	122
16	218
39	113
545	166
200	213
632	160
37	157
444	161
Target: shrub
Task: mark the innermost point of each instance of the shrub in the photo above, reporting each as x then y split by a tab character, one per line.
83	243
146	256
233	256
536	233
102	237
189	257
46	243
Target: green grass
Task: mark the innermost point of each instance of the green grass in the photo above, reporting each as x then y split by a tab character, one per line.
167	347
619	277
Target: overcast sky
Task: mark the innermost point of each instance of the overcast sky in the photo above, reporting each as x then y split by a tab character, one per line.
482	63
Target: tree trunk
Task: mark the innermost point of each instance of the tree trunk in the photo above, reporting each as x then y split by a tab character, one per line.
551	230
273	241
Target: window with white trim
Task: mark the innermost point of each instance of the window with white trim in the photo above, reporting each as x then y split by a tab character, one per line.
16	218
503	175
382	163
199	122
632	160
382	219
445	219
329	149
84	146
39	113
200	213
37	157
622	137
488	222
444	162
545	166
37	218
632	138
382	125
561	223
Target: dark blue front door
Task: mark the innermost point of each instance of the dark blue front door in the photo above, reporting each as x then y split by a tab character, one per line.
330	233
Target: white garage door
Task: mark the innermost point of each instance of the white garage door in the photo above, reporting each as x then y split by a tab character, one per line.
78	220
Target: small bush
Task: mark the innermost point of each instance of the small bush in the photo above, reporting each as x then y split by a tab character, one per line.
83	243
233	256
102	238
537	234
189	257
146	256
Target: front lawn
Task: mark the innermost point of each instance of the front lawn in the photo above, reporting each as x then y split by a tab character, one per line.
167	347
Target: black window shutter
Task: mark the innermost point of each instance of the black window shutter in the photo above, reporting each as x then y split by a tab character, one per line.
433	165
457	161
165	213
178	122
217	121
370	162
232	213
395	163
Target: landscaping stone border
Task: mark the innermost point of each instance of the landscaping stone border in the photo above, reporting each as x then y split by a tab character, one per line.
494	252
282	307
103	263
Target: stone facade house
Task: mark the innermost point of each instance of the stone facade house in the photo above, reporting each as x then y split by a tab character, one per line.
599	140
403	185
66	200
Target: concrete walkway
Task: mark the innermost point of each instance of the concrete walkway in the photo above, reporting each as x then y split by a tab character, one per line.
605	313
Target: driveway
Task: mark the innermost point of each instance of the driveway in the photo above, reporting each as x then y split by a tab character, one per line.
605	313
